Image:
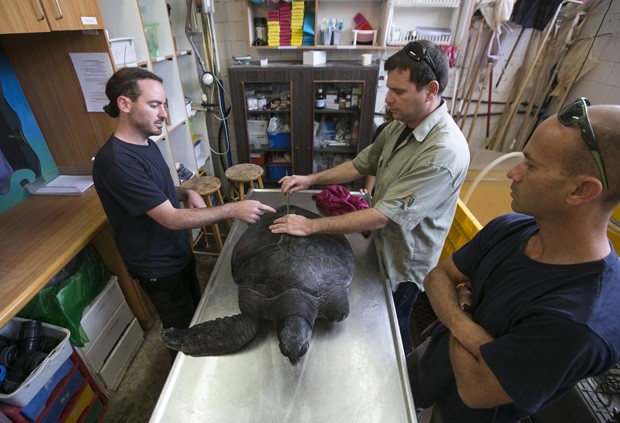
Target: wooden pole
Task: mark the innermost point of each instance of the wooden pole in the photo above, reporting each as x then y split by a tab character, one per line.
484	85
471	60
515	105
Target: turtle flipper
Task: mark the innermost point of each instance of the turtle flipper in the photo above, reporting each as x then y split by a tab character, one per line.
219	336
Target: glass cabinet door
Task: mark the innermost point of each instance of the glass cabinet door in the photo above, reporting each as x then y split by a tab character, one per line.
269	127
336	119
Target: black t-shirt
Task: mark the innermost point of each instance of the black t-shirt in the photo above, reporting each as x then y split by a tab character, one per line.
131	180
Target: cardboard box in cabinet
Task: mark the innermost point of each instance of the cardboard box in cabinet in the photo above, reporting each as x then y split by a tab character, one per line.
99	312
257	126
314	57
48	367
118	361
97	353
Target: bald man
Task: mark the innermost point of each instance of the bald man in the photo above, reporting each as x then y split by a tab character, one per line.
529	306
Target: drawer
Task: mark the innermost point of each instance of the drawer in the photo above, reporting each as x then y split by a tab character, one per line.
105	341
118	361
100	311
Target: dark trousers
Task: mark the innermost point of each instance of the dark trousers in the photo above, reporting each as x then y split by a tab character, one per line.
175	297
405	296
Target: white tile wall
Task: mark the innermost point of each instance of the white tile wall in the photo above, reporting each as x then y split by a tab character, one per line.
600	85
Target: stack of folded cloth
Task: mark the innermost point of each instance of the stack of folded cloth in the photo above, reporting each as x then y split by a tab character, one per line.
297	23
285	23
273	27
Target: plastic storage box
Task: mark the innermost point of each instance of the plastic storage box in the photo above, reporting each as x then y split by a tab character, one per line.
123	51
280	170
279	140
36	406
48	367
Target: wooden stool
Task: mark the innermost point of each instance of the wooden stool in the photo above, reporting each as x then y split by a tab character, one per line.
205	186
241	174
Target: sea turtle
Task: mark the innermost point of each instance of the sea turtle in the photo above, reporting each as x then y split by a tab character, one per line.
289	280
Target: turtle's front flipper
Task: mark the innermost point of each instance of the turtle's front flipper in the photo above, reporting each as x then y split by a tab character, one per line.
294	333
219	336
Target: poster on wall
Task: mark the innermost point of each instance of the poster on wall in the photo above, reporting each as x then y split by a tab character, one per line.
24	155
93	71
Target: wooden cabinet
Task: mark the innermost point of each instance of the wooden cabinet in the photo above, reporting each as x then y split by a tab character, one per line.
24	16
41	64
250	80
337	120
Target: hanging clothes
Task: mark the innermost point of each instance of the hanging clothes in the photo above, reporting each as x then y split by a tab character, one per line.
534	13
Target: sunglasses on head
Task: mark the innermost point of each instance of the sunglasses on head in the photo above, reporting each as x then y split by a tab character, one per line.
576	113
418	53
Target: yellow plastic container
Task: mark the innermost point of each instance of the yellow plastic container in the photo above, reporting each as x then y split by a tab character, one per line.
464	227
613	229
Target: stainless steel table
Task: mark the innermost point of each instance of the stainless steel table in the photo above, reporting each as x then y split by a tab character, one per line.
354	370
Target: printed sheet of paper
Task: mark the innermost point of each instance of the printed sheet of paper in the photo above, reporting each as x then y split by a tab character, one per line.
93	71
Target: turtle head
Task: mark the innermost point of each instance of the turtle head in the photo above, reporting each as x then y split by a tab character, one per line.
294	333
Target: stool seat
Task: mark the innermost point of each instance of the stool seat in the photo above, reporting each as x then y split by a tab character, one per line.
244	172
241	174
205	186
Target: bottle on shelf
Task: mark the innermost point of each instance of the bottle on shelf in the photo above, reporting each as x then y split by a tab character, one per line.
342	99
320	99
355	98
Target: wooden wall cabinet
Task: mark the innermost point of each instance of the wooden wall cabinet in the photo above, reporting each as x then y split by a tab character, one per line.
19	16
40	60
303	81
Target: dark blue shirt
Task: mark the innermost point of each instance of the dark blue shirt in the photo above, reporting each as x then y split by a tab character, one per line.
553	324
131	180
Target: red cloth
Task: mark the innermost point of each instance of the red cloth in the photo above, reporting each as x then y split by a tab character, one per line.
336	200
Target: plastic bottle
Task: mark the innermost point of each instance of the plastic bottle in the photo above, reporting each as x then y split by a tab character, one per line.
319	101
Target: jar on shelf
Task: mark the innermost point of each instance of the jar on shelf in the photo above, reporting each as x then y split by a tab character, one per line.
319	101
342	100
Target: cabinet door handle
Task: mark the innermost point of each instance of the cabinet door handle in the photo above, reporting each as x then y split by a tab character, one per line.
41	14
59	10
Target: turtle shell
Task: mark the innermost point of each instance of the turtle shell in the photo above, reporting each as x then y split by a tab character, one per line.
281	274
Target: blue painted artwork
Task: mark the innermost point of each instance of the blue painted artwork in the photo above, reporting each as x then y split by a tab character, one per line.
24	155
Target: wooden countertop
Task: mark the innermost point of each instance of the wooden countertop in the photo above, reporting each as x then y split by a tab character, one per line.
38	237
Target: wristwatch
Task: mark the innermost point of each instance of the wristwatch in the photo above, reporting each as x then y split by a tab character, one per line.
466	307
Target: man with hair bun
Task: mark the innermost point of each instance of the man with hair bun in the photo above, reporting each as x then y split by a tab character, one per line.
142	204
